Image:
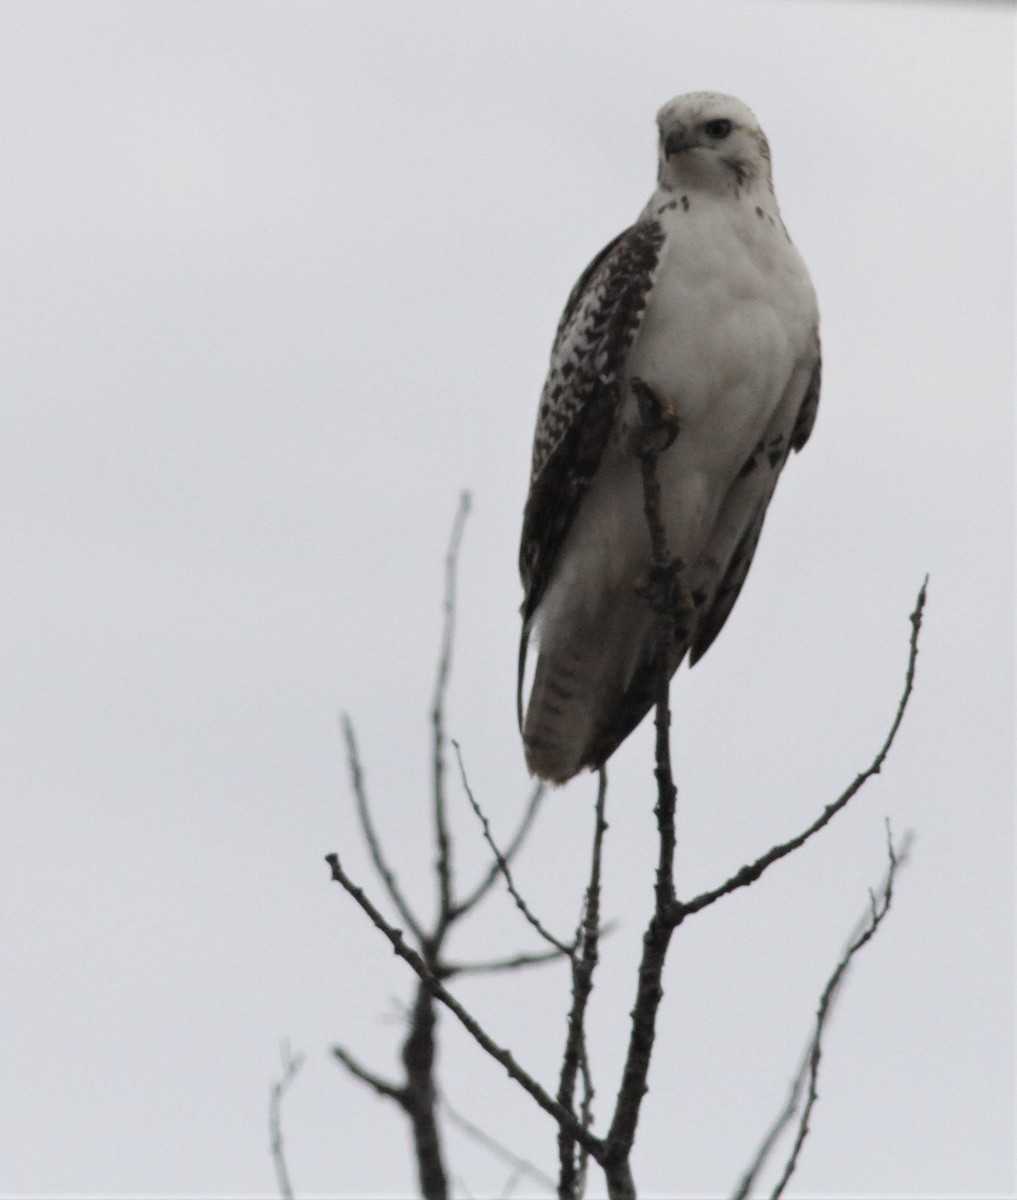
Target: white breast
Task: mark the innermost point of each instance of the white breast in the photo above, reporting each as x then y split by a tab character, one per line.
731	315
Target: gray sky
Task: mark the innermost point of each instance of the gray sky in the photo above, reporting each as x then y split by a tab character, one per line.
279	281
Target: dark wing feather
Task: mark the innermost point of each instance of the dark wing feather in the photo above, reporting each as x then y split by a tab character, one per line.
580	398
579	402
810	404
711	620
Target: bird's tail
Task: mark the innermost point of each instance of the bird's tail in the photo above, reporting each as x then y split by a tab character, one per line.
584	664
560	718
591	687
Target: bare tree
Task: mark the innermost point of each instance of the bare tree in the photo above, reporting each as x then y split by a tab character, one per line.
423	945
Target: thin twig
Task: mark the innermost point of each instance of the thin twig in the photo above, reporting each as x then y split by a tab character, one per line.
520	1165
450	969
472	1026
444	862
784	1119
390	1090
864	930
503	866
749	874
291	1065
878	912
485	885
370	836
584	964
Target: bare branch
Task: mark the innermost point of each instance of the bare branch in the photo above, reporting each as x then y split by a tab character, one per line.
485	885
784	1119
749	874
444	862
877	913
472	1026
370	836
418	1055
864	930
291	1065
502	964
586	1116
584	963
520	1165
503	866
391	1091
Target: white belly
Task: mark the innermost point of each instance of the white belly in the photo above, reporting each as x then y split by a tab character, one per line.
728	326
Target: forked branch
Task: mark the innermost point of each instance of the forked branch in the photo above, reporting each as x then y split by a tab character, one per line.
472	1026
291	1064
417	1094
808	1072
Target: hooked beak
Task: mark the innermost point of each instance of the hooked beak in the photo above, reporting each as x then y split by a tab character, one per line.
678	140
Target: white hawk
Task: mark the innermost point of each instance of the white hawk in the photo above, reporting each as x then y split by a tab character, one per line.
704	303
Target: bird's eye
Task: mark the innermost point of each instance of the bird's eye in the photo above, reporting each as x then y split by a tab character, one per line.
719	128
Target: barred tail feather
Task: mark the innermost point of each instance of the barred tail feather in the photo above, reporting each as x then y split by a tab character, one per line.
560	721
586	667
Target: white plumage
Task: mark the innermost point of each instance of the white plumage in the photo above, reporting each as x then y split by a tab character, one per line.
706	301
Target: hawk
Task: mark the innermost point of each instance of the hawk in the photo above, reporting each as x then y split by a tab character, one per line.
705	305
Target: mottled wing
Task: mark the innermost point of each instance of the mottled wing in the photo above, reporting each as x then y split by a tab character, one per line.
579	402
711	620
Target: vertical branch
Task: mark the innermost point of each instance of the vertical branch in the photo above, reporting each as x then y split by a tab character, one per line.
663	596
584	963
586	1117
291	1065
419	1049
444	863
421	1099
418	1095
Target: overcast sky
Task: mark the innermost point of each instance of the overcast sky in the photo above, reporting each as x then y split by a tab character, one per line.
278	281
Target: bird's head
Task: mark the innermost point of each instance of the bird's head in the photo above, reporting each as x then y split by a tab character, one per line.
713	142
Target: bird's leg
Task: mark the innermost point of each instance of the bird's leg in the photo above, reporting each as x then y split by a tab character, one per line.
658	422
663	586
665	590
